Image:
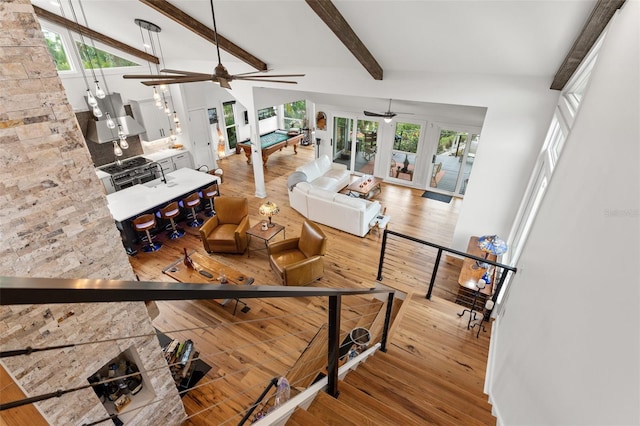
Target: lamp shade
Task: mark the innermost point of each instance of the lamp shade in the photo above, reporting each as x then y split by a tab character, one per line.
269	209
492	244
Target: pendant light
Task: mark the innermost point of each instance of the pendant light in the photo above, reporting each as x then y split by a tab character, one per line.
110	123
99	92
159	92
116	149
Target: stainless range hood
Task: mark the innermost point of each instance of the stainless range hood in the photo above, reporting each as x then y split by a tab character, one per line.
98	132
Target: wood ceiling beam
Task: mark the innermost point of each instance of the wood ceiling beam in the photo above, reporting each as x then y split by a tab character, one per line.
177	15
327	11
80	29
602	12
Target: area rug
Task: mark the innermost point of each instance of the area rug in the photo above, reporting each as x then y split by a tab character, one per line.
436	196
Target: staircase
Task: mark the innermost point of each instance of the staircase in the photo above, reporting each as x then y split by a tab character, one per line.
432	373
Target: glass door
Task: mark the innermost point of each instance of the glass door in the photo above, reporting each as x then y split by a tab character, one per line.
453	161
342	137
358	153
230	124
405	151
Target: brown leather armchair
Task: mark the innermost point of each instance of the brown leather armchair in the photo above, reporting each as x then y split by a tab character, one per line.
299	261
226	232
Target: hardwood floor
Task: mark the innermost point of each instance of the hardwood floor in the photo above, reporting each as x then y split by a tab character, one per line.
246	350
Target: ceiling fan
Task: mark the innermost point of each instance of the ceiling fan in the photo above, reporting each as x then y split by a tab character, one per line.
220	75
388	115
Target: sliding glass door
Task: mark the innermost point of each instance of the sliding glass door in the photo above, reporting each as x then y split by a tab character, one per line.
453	161
355	143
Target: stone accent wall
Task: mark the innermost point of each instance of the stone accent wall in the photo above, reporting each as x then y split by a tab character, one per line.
54	222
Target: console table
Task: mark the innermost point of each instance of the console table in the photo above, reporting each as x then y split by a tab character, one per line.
470	274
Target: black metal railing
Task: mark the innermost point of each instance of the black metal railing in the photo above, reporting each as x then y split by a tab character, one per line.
504	269
23	290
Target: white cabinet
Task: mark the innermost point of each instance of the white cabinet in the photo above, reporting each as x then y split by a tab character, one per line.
166	164
182	160
156	123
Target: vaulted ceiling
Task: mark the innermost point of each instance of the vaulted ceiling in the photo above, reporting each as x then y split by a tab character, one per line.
502	38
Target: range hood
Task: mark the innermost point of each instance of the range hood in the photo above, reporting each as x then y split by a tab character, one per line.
97	130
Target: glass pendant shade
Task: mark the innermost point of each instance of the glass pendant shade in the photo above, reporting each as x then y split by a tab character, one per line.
388	120
123	142
173	136
178	128
99	92
164	88
116	149
110	123
119	162
97	112
175	117
156	95
159	104
166	108
91	100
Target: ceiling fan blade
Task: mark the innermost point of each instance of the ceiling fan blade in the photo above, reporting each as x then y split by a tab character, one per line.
224	83
183	72
239	76
270	81
185	79
373	114
147	76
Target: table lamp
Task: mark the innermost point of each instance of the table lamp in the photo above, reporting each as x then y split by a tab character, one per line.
269	209
490	244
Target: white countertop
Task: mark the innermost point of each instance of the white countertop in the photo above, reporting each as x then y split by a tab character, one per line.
165	153
130	202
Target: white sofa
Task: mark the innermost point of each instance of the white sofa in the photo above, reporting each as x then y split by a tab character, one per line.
323	174
336	210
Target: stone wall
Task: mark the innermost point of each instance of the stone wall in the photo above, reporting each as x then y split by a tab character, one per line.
54	222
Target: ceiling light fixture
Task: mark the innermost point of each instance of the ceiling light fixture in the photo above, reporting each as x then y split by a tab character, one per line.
159	95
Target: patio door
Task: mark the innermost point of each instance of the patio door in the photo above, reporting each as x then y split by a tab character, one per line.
357	153
453	161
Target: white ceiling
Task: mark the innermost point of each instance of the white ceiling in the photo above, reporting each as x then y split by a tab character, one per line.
501	37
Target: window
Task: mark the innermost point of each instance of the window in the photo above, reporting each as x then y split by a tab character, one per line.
228	109
295	114
93	57
57	50
266	113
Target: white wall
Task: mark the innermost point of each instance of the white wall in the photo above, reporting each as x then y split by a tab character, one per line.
567	348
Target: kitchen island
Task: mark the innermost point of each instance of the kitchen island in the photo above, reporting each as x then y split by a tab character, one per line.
127	204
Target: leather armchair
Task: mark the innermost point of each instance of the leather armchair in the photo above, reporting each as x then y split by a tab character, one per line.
226	232
299	261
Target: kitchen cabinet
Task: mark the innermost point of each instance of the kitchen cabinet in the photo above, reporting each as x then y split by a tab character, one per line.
166	164
156	123
182	160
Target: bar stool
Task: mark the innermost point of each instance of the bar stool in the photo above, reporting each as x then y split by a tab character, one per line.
144	223
208	194
191	202
171	211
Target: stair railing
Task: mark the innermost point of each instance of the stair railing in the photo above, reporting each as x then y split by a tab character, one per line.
505	269
33	291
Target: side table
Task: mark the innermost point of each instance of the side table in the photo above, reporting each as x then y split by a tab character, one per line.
257	232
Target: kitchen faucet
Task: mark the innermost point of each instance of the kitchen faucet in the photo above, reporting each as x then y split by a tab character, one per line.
164	179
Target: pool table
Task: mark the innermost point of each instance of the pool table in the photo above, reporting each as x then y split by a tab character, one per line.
272	142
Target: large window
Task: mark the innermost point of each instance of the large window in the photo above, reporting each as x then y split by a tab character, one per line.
93	57
56	48
90	56
295	114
